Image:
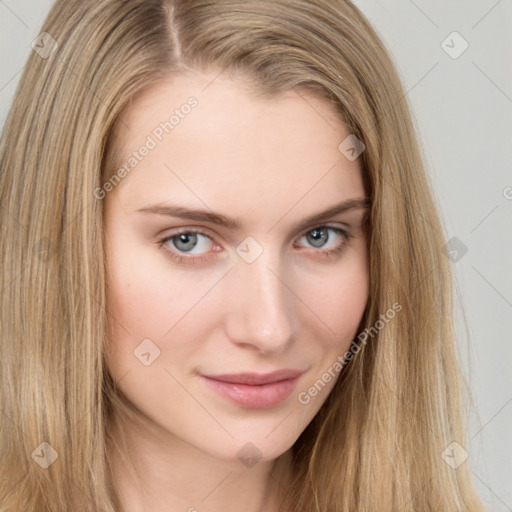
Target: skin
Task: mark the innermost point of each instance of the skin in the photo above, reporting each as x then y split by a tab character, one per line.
271	164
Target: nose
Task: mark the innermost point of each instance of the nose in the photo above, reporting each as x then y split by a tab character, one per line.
260	306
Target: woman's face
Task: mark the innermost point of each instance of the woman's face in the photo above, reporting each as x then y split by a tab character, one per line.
231	274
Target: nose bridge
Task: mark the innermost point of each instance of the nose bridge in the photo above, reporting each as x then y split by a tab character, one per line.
260	309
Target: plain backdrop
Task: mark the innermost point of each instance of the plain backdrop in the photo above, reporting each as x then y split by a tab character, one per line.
454	58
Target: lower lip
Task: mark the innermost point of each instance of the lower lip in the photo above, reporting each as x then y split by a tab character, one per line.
263	396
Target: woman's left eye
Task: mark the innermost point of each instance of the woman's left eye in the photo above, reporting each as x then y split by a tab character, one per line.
187	241
320	235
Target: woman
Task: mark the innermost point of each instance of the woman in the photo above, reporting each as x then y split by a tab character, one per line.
224	286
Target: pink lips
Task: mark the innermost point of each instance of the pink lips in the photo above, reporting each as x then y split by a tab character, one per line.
255	390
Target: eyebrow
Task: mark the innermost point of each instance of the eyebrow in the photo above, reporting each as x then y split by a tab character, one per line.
234	224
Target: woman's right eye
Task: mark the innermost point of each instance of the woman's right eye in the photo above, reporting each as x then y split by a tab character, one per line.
184	242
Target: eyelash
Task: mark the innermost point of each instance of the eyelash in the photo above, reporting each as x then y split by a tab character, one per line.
330	253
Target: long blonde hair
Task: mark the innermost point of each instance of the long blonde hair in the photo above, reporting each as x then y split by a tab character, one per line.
377	442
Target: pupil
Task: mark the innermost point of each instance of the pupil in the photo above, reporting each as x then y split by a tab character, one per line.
182	238
318	234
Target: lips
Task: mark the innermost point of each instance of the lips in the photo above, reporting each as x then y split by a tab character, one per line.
256	379
255	390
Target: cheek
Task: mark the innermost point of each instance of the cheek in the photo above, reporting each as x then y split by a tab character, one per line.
145	295
345	303
139	303
137	300
148	299
338	299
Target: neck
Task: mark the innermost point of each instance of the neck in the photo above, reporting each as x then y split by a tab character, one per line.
170	475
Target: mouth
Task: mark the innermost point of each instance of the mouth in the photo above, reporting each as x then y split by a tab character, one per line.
253	390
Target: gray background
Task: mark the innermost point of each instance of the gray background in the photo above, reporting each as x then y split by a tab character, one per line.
462	108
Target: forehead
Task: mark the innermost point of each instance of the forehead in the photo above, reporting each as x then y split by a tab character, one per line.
214	143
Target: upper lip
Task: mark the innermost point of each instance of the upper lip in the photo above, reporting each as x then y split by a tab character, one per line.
255	379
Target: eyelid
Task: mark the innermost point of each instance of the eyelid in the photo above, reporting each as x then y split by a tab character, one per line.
189	229
325	224
206	232
326	254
